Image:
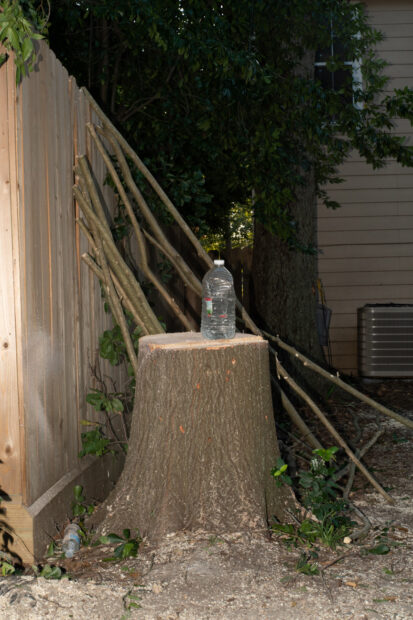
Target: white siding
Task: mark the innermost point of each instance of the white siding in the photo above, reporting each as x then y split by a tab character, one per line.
367	245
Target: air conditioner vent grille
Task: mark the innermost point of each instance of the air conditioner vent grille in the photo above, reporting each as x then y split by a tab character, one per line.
385	341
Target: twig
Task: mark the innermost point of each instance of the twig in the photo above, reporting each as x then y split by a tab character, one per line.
128	281
284	375
298	421
295	416
359	453
178	261
123	298
114	302
138	232
120	140
336	379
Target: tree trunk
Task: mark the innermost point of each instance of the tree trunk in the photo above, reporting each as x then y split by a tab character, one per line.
284	281
202	442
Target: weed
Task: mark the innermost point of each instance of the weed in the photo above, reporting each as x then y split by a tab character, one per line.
79	506
128	546
7	568
278	472
318	492
306	566
48	571
129	603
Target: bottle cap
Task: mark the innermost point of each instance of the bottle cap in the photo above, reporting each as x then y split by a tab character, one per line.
219	262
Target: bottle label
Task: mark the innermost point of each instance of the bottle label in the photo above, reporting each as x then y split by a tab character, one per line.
208	305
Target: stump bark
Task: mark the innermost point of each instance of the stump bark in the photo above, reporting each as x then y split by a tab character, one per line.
203	439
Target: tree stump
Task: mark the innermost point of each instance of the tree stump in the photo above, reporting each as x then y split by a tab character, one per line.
203	439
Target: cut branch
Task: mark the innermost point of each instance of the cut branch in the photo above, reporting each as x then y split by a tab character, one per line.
120	268
123	298
119	143
282	373
336	379
138	232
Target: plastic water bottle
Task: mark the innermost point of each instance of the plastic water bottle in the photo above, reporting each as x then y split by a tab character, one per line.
218	303
71	540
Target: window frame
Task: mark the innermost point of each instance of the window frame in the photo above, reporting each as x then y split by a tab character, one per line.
356	74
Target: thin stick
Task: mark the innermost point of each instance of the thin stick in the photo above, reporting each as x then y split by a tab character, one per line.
138	232
298	421
359	453
166	201
123	298
114	302
282	373
336	379
122	271
150	178
178	261
99	273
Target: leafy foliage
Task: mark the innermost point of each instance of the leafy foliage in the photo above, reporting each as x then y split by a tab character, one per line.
329	523
20	26
48	571
128	545
102	438
94	442
79	506
231	98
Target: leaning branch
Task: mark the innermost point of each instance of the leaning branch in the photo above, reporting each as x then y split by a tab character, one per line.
336	379
282	373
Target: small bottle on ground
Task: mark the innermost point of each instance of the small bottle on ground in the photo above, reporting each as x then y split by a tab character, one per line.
218	303
71	540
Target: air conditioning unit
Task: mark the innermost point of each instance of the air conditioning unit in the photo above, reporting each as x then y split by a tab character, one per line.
385	340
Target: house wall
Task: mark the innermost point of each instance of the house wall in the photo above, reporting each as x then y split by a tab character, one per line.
367	245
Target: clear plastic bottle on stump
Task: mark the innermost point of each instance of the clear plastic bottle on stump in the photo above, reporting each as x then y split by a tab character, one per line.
71	540
218	303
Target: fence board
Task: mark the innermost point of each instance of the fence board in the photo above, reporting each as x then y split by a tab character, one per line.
10	454
59	302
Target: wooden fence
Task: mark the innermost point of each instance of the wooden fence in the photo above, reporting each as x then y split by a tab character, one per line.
51	312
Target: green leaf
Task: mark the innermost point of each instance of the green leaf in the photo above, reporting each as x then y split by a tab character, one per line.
13	37
51	572
78	493
380	549
96	399
129	549
110	539
116	405
27	49
7	569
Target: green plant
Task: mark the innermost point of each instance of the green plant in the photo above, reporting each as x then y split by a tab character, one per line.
328	522
7	568
111	432
48	571
278	472
79	506
306	566
94	441
128	545
18	33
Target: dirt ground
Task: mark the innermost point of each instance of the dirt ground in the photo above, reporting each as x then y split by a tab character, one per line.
251	575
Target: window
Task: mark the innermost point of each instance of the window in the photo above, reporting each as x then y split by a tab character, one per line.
347	78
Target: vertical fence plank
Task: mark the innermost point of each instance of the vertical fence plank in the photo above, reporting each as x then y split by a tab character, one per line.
10	455
51	311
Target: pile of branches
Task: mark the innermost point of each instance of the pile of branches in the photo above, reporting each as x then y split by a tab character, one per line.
124	293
